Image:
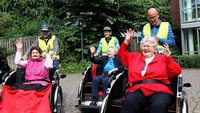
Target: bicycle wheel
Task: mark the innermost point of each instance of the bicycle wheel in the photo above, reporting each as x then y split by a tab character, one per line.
184	106
58	100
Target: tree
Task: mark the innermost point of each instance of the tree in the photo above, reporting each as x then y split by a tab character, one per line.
89	17
71	18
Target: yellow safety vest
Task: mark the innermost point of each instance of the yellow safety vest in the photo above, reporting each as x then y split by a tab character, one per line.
105	45
162	32
43	46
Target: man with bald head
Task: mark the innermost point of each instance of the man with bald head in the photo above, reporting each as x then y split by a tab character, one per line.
156	28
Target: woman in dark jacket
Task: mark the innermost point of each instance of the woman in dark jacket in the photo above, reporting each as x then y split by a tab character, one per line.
109	64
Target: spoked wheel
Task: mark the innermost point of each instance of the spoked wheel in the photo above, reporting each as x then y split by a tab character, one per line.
184	106
58	100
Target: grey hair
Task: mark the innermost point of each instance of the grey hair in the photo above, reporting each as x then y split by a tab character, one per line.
114	48
150	39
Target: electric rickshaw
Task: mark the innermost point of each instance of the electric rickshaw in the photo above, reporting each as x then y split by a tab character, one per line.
117	86
114	100
4	67
56	94
85	89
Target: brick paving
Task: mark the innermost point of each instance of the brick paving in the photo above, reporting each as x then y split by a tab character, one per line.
70	88
193	93
71	82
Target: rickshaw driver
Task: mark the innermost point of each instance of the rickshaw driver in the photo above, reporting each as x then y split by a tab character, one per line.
43	41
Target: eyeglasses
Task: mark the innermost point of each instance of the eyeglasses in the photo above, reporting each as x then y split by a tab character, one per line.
152	18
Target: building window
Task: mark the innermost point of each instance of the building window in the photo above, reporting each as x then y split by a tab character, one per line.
198	13
190	11
190	41
198	38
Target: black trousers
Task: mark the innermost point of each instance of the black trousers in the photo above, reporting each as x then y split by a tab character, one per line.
135	102
95	85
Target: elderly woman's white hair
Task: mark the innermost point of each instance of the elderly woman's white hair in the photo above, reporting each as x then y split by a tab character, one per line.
114	48
151	40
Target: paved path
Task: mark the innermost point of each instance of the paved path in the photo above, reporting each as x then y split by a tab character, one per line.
71	82
193	93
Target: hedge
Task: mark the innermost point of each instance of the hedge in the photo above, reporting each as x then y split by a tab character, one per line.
189	61
186	61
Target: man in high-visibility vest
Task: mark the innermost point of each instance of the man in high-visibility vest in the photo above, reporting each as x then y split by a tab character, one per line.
162	31
107	41
45	40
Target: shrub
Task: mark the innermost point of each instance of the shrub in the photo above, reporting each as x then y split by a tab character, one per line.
74	67
185	61
4	52
189	61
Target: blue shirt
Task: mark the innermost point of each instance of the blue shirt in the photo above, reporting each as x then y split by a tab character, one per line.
170	38
109	66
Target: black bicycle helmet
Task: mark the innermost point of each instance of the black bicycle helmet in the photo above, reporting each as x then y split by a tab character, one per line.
107	28
44	27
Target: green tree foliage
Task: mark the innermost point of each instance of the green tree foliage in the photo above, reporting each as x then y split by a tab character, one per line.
90	16
28	15
5	23
4	52
71	18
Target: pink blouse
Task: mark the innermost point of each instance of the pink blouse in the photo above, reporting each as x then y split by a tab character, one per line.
36	71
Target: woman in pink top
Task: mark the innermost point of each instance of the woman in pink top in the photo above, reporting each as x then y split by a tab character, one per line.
37	68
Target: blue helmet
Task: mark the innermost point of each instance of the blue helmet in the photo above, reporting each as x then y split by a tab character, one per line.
44	27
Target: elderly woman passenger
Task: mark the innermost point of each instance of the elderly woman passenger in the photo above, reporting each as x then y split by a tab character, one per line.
37	68
109	64
148	76
33	95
